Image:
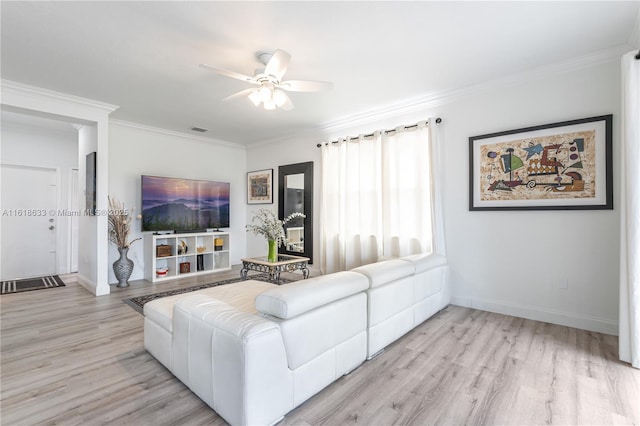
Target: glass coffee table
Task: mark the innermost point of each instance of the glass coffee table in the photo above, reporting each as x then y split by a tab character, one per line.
285	263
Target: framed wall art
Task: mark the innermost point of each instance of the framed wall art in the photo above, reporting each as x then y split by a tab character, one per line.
260	187
558	166
90	183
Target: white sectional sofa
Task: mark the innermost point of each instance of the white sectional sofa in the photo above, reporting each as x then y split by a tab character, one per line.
253	351
402	293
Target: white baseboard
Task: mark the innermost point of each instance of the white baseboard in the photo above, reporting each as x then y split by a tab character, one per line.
90	286
583	322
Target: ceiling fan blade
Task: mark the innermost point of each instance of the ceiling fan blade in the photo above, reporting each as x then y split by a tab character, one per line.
305	86
228	73
239	94
287	105
278	64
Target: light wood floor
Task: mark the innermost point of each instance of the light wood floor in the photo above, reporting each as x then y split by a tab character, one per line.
70	358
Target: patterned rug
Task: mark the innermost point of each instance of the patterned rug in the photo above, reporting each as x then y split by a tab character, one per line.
137	303
28	284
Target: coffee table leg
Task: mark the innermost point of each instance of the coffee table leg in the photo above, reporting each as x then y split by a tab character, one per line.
305	273
243	272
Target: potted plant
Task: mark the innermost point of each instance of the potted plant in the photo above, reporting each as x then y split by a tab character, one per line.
272	228
119	228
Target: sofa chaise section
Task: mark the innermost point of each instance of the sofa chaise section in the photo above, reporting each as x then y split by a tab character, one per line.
158	314
253	368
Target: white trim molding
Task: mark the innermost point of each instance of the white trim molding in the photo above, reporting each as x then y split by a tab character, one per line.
437	98
92	287
11	87
159	130
568	319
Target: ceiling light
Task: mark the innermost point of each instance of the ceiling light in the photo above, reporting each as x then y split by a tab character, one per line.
265	93
279	98
269	105
255	97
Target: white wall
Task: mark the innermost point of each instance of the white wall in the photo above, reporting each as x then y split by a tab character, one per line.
138	150
27	99
508	262
271	156
89	244
35	146
514	262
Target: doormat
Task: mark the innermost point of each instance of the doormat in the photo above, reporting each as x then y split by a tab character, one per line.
137	303
28	284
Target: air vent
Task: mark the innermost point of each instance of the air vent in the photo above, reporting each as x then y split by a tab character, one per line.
198	129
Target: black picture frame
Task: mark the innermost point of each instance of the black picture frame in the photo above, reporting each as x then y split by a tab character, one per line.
260	187
90	184
568	165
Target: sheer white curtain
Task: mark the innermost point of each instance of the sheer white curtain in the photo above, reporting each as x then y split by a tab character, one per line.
380	197
629	339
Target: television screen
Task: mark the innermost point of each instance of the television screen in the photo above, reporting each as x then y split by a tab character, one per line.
171	204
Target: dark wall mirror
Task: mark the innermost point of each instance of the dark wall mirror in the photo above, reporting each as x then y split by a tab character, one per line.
295	194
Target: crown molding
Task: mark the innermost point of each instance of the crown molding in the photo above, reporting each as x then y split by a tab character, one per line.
69	130
295	136
437	98
174	133
13	87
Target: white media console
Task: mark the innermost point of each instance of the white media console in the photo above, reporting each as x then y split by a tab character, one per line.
184	255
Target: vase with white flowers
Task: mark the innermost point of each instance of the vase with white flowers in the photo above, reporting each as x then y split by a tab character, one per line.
119	228
269	226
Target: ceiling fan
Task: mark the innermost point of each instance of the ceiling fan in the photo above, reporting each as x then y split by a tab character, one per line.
271	88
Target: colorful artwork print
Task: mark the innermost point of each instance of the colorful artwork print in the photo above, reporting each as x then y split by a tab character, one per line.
260	187
555	166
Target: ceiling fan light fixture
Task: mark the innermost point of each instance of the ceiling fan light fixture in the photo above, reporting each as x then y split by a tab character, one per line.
254	97
270	89
279	98
265	93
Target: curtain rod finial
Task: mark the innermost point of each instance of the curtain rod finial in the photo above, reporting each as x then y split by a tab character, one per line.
438	120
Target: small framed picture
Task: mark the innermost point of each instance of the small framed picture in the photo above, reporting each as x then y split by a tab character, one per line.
90	192
260	187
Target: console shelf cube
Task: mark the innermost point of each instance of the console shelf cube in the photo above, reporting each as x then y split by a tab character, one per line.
165	254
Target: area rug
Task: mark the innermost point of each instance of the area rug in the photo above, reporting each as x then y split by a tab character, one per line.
28	284
137	303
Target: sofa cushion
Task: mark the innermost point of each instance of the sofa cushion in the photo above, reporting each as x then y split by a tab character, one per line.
240	295
424	262
313	333
160	311
222	316
296	298
389	300
381	273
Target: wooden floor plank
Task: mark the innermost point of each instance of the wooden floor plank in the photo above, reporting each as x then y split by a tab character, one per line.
69	358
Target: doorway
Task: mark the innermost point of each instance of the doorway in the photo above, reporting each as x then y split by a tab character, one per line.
28	223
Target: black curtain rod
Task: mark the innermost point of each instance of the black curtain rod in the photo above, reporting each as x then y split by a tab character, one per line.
638	55
438	121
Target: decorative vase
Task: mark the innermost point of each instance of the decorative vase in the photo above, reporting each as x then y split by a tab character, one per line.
123	267
273	251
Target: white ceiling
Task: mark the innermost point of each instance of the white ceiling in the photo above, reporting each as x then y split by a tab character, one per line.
143	56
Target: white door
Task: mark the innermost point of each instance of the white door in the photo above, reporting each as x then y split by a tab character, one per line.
28	222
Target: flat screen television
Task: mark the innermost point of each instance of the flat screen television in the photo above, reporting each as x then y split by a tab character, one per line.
172	204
